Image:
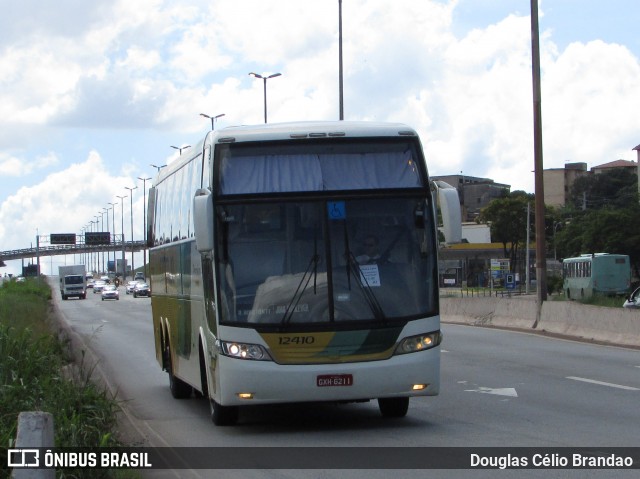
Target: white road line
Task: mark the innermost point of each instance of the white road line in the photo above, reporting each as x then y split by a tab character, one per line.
601	383
511	392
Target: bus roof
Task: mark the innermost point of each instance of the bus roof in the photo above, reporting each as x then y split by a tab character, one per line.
312	129
289	131
587	256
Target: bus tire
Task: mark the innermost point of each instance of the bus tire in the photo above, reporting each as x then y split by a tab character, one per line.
223	415
220	415
393	407
179	389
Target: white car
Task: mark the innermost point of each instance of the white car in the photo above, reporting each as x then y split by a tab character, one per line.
110	292
98	286
633	301
131	286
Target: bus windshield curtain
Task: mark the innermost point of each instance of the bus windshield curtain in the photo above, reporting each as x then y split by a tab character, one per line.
289	173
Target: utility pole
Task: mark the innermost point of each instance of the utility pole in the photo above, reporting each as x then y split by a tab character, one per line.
133	267
124	268
340	71
541	257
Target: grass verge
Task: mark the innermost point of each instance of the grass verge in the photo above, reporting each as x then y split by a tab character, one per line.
32	378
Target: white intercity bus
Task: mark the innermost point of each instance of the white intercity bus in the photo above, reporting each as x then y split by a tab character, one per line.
297	263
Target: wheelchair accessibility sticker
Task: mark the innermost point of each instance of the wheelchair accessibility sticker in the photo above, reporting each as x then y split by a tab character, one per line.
336	210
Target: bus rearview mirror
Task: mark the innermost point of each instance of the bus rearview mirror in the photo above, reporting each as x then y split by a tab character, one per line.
203	220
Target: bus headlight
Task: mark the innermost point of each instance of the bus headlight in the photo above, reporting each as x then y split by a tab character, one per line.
233	349
421	342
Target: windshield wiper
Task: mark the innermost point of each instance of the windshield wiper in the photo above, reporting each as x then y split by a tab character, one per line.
311	271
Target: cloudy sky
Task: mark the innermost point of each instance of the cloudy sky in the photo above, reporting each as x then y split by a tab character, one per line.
93	93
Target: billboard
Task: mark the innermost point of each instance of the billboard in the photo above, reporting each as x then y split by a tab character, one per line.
62	238
97	238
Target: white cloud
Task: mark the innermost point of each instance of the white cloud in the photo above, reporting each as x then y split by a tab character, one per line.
12	166
589	99
63	202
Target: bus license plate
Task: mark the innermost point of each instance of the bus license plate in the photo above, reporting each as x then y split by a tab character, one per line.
325	380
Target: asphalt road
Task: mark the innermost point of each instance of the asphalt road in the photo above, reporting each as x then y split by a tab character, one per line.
498	388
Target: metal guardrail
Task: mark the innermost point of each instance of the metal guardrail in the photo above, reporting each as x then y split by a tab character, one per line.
485	292
59	250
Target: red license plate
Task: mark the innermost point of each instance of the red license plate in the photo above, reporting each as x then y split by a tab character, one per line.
325	380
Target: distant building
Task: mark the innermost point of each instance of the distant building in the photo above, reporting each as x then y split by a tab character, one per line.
475	193
476	233
630	166
558	182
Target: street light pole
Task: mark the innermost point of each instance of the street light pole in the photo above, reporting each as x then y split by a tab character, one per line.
97	255
158	167
113	222
101	230
213	119
124	269
133	265
144	222
106	210
264	79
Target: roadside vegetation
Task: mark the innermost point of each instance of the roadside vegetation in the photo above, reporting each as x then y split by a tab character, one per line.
32	378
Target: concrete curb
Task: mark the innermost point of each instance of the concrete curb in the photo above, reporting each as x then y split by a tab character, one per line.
615	326
35	429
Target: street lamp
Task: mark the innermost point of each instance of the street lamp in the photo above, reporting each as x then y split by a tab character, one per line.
158	167
144	222
106	210
213	119
180	148
81	250
264	78
113	222
133	265
124	270
102	247
97	255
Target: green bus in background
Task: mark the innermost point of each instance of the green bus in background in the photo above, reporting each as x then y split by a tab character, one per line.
597	273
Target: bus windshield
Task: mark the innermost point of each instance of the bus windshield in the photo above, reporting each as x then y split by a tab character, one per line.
287	263
282	167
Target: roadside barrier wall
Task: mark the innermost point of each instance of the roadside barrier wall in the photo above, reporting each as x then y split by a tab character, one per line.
567	318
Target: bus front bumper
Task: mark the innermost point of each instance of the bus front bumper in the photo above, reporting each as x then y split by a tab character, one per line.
264	382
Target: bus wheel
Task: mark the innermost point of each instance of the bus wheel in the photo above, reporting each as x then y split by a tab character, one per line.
223	415
393	407
179	389
220	415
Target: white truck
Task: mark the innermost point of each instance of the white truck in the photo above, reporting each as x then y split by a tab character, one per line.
73	281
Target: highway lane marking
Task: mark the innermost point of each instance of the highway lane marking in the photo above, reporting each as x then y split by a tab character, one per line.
602	383
511	392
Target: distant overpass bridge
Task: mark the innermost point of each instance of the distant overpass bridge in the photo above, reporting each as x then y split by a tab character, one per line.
58	250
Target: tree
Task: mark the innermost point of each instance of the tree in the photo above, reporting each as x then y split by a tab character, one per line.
507	217
606	230
615	188
602	216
